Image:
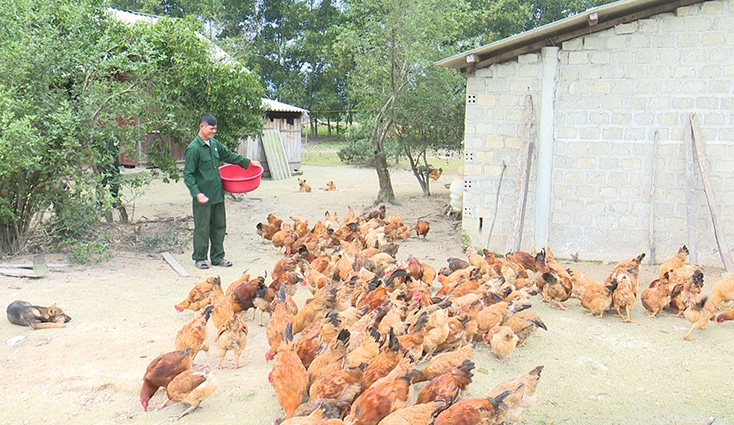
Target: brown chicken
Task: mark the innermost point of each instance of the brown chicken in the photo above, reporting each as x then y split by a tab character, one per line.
331	358
199	296
445	363
502	340
193	334
524	323
687	289
699	314
161	371
435	174
446	386
657	296
580	281
369	349
521	397
315	309
222	310
471	411
421	228
723	317
343	384
423	413
332	410
553	280
279	319
309	341
677	261
232	337
723	290
596	297
288	377
624	295
384	362
380	400
191	387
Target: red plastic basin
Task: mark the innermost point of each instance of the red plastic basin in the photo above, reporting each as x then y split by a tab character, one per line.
236	179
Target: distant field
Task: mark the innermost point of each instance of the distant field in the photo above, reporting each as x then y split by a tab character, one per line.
324	154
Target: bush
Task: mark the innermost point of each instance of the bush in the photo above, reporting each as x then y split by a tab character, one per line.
359	150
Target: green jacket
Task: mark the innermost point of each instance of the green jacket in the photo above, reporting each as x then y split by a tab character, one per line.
201	171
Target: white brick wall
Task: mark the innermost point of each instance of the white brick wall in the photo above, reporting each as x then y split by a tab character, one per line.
614	89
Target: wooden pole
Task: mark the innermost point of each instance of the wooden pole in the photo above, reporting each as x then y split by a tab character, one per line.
653	173
517	216
691	207
708	188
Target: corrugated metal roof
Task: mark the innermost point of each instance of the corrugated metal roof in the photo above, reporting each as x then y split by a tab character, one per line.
590	21
275	106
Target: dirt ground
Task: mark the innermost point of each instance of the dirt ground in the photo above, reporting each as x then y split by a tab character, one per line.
598	371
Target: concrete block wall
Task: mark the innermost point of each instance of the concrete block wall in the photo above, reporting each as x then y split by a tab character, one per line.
614	90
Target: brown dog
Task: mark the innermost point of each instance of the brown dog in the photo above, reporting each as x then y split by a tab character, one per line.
25	314
331	186
302	186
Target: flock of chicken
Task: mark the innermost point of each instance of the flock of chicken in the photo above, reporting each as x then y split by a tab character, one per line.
352	353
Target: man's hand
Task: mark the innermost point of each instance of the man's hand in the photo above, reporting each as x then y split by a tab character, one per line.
256	163
202	198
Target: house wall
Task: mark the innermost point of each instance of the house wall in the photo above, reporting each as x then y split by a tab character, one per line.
613	90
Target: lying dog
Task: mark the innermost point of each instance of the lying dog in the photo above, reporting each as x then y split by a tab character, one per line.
303	186
24	314
331	186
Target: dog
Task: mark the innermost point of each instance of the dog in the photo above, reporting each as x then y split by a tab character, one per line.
22	313
331	186
302	186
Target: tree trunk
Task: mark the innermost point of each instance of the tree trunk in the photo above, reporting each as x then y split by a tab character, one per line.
328	124
386	193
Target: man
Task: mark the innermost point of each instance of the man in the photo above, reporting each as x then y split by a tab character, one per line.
201	175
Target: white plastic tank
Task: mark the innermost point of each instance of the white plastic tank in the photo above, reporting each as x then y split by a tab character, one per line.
457	194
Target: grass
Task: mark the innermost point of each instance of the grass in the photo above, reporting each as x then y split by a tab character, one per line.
323	154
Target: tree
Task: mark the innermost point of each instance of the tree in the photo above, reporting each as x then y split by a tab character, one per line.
430	117
78	83
392	42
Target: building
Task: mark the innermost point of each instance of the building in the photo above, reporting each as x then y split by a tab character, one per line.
610	94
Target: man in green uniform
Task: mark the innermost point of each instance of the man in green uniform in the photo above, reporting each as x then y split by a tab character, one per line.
201	175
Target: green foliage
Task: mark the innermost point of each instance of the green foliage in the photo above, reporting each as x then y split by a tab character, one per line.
73	79
90	249
465	240
359	150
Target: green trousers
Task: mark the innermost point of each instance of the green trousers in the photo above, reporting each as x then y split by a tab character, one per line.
210	225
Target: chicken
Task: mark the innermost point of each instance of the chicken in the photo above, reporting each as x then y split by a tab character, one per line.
193	334
445	362
657	296
437	331
723	290
380	400
502	340
314	310
232	336
199	296
699	314
435	174
309	341
288	377
580	281
723	317
421	228
342	384
423	413
279	319
384	362
268	229
553	280
491	316
596	297
222	310
369	349
685	292
332	411
191	387
161	371
624	295
521	397
524	323
331	358
677	261
471	411
447	385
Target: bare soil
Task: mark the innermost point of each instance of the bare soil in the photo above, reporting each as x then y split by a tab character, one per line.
597	371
